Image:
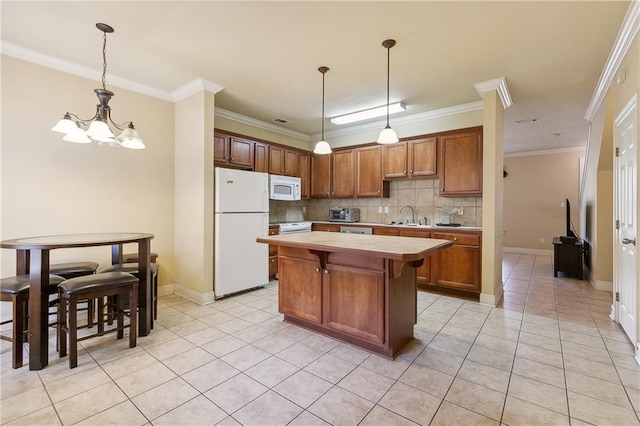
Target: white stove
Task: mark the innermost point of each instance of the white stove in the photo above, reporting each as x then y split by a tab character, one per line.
294	227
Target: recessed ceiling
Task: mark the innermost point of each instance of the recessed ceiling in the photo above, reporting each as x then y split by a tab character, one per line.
266	55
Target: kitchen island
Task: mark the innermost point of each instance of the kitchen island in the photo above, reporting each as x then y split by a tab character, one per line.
360	289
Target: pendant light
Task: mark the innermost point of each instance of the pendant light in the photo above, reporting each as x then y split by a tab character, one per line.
388	135
322	147
100	126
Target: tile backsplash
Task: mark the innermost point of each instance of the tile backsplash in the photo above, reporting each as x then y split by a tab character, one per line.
421	194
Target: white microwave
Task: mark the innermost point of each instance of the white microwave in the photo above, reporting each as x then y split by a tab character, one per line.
286	188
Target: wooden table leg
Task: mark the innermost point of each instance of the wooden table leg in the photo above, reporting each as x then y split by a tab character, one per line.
145	302
116	254
38	309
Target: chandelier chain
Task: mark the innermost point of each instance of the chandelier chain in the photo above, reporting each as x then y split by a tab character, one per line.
104	60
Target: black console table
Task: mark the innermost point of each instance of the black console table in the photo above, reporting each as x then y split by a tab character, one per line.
567	257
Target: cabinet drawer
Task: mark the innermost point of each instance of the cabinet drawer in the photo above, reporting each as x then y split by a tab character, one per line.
459	239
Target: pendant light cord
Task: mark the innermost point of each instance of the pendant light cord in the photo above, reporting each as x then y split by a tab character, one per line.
388	68
323	105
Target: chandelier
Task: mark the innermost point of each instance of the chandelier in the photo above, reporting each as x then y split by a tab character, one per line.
99	127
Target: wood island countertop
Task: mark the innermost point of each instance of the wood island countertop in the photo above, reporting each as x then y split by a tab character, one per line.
404	249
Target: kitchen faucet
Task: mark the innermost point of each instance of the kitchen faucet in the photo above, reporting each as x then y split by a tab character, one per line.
413	213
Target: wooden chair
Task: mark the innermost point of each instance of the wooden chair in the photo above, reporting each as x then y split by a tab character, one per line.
119	287
132	268
69	270
16	290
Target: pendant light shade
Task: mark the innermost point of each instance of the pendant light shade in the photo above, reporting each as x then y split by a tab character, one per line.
388	135
322	147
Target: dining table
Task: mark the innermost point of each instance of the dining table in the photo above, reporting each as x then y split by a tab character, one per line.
33	258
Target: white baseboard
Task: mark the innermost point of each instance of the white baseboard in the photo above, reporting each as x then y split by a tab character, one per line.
193	295
166	289
603	285
539	252
492	299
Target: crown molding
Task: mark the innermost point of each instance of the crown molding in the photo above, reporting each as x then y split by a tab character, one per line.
546	152
219	112
196	86
68	67
624	40
407	119
500	86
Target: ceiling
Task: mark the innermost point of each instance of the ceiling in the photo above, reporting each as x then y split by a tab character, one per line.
266	55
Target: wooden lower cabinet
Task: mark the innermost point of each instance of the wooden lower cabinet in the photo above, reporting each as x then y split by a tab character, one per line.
363	300
300	289
458	267
354	302
273	254
325	227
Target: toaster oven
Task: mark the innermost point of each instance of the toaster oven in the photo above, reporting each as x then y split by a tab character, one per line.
337	214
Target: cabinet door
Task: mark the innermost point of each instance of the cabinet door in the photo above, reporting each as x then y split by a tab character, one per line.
290	163
273	254
368	172
320	176
343	174
220	148
461	164
300	289
422	157
276	160
354	301
303	172
260	158
394	160
458	266
423	272
241	152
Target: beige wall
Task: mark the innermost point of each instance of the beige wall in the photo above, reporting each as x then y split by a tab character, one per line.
50	186
194	120
533	191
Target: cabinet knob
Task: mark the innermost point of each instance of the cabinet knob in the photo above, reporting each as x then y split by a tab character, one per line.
455	239
273	260
332	192
326	272
378	191
317	269
404	172
410	171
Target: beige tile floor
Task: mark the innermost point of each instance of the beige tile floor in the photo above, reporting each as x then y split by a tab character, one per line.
548	355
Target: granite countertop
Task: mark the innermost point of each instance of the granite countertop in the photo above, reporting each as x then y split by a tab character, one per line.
369	224
396	248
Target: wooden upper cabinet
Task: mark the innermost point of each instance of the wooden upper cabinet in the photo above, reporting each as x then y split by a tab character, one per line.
413	158
283	161
342	174
369	171
320	176
461	164
261	158
394	160
304	169
232	150
421	158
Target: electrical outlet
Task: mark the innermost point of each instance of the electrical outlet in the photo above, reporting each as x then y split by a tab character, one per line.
304	210
541	240
386	209
460	211
562	204
380	209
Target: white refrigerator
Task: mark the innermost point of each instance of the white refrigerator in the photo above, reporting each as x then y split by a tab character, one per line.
241	214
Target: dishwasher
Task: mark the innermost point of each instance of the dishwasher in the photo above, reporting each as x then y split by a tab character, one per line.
356	230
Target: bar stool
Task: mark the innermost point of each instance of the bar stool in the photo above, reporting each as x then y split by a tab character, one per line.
69	270
118	286
132	268
16	290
